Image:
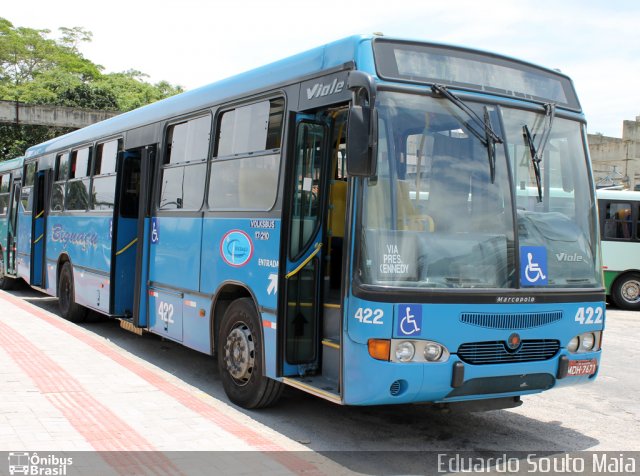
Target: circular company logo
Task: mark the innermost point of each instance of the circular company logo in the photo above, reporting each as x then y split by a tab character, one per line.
514	341
236	248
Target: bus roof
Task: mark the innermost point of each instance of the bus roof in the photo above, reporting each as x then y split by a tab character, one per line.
12	164
618	195
327	57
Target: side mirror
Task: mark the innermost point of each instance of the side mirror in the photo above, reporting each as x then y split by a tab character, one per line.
361	160
362	131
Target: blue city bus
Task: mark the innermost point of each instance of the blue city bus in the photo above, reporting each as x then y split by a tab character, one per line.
370	222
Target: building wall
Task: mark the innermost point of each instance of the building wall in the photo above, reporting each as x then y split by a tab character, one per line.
616	161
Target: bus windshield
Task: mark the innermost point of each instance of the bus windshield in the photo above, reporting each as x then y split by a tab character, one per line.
434	217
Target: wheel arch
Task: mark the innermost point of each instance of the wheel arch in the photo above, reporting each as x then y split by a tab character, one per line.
228	292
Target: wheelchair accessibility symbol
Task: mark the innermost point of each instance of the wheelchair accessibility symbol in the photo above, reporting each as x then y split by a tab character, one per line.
155	231
533	266
409	320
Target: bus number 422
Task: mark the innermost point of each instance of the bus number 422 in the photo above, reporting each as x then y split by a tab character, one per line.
589	315
369	316
165	312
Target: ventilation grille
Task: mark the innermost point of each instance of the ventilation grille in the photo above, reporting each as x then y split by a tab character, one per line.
497	352
395	388
526	320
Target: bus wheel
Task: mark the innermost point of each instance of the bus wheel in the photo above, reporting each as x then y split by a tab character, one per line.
240	358
69	309
626	292
6	283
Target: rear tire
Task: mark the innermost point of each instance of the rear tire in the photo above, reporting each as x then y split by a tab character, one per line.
69	309
626	292
240	358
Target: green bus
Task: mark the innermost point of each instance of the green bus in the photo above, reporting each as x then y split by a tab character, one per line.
620	234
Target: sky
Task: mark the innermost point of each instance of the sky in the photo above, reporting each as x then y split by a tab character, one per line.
196	42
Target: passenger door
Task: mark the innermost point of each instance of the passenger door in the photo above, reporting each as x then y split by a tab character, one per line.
12	234
303	267
38	226
126	242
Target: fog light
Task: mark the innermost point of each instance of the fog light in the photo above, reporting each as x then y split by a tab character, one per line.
573	344
432	352
405	351
588	341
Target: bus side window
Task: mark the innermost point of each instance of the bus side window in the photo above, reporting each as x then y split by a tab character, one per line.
5	180
26	198
247	153
103	187
617	224
61	172
78	185
185	164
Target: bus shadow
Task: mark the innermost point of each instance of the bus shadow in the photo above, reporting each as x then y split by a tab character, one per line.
363	439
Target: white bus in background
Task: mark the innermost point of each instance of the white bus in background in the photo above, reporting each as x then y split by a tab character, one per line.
620	232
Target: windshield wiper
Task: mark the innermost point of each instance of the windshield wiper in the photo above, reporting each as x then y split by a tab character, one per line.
481	127
538	152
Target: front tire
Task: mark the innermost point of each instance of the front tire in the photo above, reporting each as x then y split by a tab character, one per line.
626	292
69	309
240	358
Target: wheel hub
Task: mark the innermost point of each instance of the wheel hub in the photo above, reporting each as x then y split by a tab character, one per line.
631	291
239	354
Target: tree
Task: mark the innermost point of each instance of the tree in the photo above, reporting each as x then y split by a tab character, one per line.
38	69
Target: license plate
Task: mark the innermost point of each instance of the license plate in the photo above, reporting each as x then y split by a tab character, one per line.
582	367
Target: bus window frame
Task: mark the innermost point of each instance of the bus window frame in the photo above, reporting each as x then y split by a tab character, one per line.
215	158
87	177
92	168
27	188
7	194
165	163
603	203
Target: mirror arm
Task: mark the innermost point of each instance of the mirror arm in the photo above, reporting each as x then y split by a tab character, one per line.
360	80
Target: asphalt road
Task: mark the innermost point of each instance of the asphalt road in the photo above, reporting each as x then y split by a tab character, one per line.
601	416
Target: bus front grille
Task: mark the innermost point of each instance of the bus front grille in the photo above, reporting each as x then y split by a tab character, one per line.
497	352
523	320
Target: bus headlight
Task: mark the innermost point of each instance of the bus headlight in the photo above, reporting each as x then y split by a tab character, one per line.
588	341
425	351
432	351
573	344
405	351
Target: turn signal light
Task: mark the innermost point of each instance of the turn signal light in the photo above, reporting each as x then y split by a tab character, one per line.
379	348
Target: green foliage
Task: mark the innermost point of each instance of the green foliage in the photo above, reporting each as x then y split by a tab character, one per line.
14	140
38	69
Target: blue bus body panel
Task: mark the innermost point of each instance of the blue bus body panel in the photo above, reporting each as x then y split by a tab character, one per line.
191	259
175	254
167	318
429	382
86	240
195	322
244	250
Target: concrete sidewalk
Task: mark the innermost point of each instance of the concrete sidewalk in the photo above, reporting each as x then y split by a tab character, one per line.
63	388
